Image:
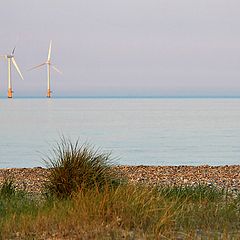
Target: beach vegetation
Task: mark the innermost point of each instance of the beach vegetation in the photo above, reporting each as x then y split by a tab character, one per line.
124	212
74	167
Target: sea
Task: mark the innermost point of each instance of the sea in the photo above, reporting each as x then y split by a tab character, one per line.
135	131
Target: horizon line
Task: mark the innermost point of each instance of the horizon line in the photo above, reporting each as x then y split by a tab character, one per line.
118	97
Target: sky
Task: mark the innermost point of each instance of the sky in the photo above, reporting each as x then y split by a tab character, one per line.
123	47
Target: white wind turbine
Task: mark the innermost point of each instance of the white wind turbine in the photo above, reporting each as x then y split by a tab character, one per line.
10	58
49	64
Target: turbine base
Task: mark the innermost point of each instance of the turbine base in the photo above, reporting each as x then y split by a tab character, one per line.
49	93
10	92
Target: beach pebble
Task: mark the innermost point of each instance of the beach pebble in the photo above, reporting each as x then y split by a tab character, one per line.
227	177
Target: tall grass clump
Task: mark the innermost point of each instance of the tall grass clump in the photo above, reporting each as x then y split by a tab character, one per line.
74	167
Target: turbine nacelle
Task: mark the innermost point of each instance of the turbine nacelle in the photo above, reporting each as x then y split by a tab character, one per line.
11	55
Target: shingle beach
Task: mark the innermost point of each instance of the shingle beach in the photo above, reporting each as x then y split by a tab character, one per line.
227	177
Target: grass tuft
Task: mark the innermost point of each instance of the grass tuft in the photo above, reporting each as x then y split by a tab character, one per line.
75	167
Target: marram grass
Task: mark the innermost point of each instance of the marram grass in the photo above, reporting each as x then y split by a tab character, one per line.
75	167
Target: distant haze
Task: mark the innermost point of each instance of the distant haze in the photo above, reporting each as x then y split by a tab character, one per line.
124	47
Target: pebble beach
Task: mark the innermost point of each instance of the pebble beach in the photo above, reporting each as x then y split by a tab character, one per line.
225	177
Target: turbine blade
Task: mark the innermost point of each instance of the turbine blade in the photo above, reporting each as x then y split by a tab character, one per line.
49	51
56	69
13	50
36	66
17	68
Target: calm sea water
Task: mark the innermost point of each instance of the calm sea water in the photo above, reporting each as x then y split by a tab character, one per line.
136	131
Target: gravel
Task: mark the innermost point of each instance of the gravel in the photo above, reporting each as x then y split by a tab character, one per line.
227	177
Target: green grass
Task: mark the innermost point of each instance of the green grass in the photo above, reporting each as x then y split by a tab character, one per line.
193	193
14	204
129	211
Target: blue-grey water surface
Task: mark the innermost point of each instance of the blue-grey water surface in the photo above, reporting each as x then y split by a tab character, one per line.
140	131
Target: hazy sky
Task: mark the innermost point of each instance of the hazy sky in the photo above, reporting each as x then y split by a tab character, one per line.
124	47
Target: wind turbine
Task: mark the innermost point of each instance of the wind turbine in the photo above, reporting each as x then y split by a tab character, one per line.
10	58
49	65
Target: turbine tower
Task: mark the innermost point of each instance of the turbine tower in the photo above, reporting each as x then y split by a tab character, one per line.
49	65
10	59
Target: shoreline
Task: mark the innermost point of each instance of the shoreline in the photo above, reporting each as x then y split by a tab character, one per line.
225	177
